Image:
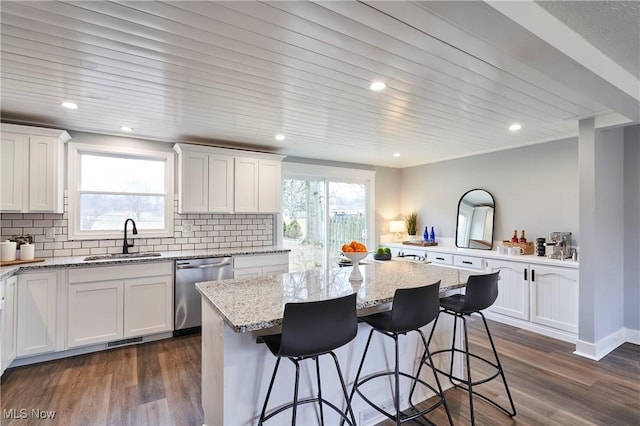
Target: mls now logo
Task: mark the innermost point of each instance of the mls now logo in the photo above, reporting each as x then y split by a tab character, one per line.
23	413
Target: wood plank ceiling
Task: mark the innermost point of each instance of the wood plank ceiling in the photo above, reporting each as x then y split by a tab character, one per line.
237	73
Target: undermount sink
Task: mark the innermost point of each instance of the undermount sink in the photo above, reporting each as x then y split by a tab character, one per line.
120	256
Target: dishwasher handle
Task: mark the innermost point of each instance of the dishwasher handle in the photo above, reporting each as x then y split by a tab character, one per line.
206	266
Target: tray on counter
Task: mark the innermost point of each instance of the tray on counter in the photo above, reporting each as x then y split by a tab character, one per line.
20	262
420	243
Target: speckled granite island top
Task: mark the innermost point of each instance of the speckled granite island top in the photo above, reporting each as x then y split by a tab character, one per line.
257	303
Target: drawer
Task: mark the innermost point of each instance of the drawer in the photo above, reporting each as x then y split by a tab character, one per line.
442	258
251	261
468	262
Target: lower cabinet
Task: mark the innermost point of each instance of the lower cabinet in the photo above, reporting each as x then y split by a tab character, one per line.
37	313
541	295
116	302
8	322
260	264
554	297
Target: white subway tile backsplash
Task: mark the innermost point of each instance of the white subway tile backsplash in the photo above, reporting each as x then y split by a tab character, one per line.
206	231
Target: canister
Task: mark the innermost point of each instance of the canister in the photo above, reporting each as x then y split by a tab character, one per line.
27	251
8	250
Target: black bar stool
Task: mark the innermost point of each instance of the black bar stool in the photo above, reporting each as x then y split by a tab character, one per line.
412	308
311	329
481	292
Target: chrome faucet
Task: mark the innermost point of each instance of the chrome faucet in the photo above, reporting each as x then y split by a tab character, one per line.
125	243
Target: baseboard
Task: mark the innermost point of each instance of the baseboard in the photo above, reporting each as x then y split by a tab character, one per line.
632	336
602	347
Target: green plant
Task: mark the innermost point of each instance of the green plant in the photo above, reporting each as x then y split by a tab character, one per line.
412	223
293	229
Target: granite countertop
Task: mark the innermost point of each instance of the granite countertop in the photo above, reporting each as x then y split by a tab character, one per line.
79	262
257	303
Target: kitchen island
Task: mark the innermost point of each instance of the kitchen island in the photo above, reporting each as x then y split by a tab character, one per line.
236	371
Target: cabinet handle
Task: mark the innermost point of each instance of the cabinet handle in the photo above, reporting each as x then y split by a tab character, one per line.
466	262
525	274
439	258
533	275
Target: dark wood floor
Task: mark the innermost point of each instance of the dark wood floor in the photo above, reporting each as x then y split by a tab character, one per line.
158	383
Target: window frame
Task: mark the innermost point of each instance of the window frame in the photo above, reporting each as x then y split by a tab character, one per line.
76	149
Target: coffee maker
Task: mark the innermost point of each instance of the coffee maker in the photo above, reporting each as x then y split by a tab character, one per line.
559	245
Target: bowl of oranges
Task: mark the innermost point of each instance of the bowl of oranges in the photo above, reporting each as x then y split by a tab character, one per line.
355	252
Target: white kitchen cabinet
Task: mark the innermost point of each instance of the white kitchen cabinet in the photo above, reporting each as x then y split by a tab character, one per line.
554	297
269	186
32	160
220	180
513	288
260	264
258	185
37	313
148	305
95	313
8	321
114	302
205	180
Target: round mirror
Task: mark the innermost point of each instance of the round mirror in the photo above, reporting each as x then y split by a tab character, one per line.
474	228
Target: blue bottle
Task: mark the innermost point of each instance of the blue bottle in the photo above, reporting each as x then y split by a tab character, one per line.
425	237
432	237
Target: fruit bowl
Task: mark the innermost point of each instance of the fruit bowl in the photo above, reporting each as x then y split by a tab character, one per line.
382	256
355	257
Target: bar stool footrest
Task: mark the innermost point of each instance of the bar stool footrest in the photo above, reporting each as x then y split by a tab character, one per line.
403	417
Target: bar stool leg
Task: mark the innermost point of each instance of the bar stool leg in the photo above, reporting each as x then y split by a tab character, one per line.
396	396
295	392
453	348
266	400
504	379
468	359
344	390
319	390
425	357
355	381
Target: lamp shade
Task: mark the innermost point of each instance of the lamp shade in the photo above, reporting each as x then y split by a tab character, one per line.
397	226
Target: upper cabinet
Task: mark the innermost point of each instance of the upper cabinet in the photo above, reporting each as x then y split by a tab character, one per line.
32	169
218	180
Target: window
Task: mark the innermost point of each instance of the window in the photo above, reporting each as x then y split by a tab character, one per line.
109	185
323	208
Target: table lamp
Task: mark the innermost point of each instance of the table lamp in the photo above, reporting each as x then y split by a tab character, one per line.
397	227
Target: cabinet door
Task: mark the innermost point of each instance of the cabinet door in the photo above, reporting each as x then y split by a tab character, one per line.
554	297
194	182
43	174
9	316
37	312
270	186
246	185
220	183
513	289
255	271
148	305
275	269
95	313
13	171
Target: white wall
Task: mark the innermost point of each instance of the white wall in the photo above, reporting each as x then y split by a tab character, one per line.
632	228
535	188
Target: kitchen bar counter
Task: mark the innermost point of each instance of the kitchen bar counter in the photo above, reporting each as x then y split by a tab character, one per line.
236	371
258	303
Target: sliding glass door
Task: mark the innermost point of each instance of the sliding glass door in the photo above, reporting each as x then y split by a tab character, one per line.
319	216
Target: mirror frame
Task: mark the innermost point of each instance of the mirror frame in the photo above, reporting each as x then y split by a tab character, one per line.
493	201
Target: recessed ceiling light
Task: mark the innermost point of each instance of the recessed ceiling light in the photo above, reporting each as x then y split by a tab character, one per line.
376	86
126	129
69	105
515	127
396	154
279	137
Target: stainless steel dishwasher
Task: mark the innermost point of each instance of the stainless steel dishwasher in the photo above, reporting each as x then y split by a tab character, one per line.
187	312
